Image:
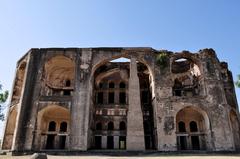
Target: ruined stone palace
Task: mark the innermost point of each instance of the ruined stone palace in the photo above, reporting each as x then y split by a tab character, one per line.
129	99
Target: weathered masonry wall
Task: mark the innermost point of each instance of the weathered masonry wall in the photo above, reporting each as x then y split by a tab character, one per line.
77	99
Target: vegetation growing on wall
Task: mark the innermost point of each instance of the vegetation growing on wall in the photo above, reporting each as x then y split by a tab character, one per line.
162	59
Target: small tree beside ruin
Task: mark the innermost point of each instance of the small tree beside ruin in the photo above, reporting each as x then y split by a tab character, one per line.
3	98
238	82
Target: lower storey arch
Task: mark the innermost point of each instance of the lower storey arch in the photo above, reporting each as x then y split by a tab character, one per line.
53	128
10	128
234	122
192	128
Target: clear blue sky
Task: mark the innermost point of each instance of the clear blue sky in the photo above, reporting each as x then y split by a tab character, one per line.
174	25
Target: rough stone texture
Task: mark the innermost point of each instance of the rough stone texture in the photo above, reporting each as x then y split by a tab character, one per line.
135	133
76	99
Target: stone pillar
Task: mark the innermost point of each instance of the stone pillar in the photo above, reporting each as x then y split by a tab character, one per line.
116	142
135	131
80	103
56	141
104	142
67	143
27	110
116	96
105	97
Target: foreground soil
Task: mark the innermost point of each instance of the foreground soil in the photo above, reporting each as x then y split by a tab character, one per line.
180	156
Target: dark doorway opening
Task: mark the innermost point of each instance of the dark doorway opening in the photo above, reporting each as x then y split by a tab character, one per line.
122	142
62	142
195	143
182	142
110	142
98	142
50	142
148	144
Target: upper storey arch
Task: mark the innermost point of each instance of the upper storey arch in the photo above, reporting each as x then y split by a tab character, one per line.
185	62
186	74
100	62
59	73
19	82
101	58
142	55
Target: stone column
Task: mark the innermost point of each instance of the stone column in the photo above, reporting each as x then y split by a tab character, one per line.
80	104
135	131
116	142
104	142
116	96
105	97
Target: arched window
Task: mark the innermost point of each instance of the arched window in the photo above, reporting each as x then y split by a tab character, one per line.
111	85
68	83
181	127
193	126
122	98
63	127
110	126
52	126
122	125
111	97
99	126
122	85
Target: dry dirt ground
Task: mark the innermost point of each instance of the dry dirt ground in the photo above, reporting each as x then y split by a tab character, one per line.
188	156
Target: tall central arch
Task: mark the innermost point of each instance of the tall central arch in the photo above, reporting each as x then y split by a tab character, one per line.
110	104
108	119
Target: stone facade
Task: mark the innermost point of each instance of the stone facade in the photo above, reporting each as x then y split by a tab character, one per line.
77	99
